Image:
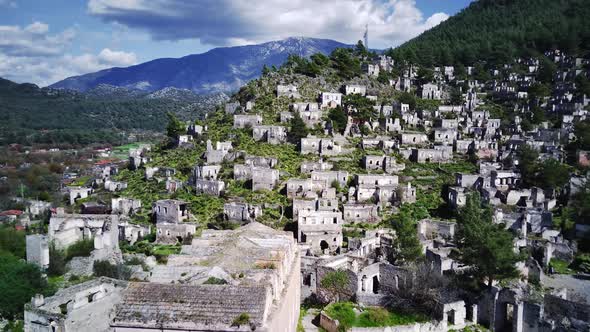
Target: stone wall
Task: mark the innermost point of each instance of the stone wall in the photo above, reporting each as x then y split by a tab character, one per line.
559	309
37	250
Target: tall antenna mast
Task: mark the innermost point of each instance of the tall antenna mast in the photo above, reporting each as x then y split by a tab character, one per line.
366	36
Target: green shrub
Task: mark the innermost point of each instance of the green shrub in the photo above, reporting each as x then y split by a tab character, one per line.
134	261
582	263
115	271
374	317
81	248
242	319
215	281
57	261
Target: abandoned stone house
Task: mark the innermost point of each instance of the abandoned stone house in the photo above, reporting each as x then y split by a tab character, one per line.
320	231
264	178
184	140
504	179
241	212
355	89
331	99
257	161
379	142
231	108
403	84
299	187
247	120
170	211
361	213
392	125
434	155
172	185
444	135
431	91
286	117
77	193
289	91
206	172
371	69
377	188
114	186
385	63
125	206
325	179
67	229
132	233
321	146
270	134
218	154
138	157
457	197
383	163
449	123
457	109
310	166
210	187
195	129
36	208
311	118
409	138
327	202
105	171
84	307
384	110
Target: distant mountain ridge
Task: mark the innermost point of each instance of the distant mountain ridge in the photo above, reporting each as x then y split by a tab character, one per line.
223	69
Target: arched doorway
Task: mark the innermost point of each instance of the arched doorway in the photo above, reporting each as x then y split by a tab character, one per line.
324	245
375	285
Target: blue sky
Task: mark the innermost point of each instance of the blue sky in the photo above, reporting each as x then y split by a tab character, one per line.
48	40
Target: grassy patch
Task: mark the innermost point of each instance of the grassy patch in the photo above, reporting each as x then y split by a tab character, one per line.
345	313
560	267
166	249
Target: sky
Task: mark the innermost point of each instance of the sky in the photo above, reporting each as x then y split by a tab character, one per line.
44	41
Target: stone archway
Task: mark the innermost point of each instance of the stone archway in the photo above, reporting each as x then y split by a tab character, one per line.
324	245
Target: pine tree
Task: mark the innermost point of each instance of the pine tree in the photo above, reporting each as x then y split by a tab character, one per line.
175	127
485	246
407	245
298	129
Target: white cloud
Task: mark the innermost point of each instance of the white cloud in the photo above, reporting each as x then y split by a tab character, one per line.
118	58
32	54
33	40
238	22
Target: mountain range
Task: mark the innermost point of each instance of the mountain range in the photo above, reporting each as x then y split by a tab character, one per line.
223	69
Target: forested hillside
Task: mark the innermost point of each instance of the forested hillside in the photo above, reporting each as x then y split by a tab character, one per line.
29	114
499	30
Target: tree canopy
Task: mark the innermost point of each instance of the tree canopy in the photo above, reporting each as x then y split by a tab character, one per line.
499	30
19	281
